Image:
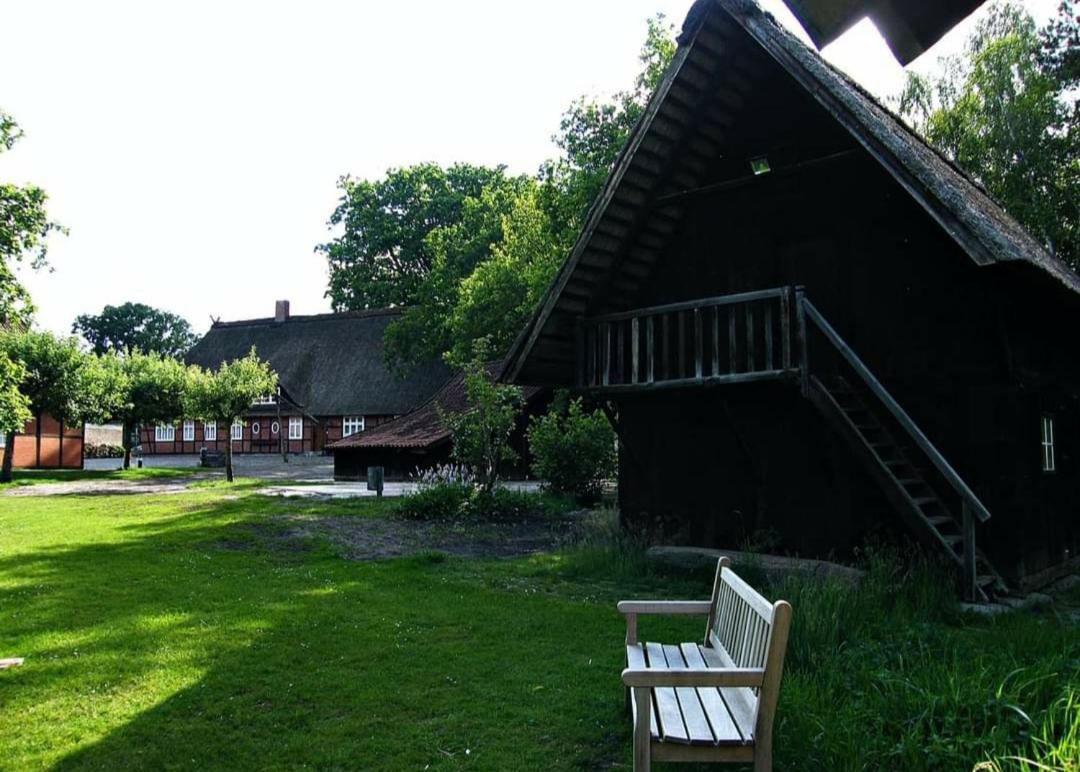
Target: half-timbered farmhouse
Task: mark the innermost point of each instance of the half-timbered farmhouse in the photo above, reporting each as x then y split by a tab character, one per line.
45	443
810	325
332	377
421	439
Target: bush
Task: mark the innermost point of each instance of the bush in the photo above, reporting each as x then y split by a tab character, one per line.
574	451
451	500
102	450
441	501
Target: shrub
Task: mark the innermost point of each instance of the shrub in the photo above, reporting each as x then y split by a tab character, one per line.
441	501
452	500
102	450
574	451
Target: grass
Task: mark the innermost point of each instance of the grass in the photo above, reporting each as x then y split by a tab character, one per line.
184	631
22	477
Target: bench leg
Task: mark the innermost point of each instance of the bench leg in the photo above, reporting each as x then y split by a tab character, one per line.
642	735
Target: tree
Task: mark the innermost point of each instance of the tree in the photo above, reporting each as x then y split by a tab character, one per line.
471	261
573	450
150	389
383	253
58	379
14	405
481	433
136	327
24	228
226	394
1006	112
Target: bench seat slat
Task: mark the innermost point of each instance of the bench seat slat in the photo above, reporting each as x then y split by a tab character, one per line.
635	657
697	725
670	719
723	727
741	701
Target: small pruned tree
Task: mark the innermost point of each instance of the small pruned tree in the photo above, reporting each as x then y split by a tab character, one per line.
573	449
481	433
226	394
14	405
56	378
150	389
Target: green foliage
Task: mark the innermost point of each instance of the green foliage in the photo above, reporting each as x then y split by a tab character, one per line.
383	252
136	327
481	433
24	229
57	377
103	450
573	450
226	394
14	405
1006	112
150	388
461	501
471	251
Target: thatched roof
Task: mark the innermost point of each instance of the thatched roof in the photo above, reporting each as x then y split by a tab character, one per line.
730	53
423	428
328	364
908	27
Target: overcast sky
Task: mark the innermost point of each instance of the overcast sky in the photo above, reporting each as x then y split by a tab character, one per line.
193	148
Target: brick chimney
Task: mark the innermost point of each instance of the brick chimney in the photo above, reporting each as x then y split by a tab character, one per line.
281	311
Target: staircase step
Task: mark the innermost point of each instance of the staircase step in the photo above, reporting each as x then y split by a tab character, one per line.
921	501
939	520
952	539
985	580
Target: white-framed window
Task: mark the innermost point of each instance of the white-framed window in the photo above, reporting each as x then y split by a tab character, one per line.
351	424
274	428
296	428
255	428
266	399
209	431
237	430
189	431
3	439
164	433
1049	462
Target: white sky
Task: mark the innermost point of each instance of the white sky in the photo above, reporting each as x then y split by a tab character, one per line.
193	148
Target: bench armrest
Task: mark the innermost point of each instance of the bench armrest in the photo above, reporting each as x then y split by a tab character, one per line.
654	677
666	607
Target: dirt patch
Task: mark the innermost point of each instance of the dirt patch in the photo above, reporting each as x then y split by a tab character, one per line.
104	487
366	538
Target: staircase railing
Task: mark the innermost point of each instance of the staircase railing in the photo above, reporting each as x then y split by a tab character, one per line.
971	506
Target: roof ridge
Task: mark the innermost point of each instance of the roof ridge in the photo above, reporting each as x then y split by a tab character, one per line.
328	316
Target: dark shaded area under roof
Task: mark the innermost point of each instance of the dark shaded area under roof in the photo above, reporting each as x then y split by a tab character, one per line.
733	62
328	364
424	427
908	27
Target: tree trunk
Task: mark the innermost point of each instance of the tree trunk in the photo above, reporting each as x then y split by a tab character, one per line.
125	441
9	457
228	456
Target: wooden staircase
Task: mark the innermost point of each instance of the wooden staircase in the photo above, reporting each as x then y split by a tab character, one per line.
904	481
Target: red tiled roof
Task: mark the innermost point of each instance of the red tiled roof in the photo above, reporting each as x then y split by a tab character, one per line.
423	427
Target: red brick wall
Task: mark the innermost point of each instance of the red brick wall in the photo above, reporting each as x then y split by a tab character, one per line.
47	444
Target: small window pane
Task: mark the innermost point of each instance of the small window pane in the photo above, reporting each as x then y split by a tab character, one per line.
351	424
1049	462
189	431
209	432
164	433
237	431
296	428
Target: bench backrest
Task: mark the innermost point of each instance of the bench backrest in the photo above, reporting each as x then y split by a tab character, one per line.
746	630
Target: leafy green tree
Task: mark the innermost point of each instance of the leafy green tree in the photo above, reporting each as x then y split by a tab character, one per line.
14	405
383	253
1006	112
573	450
481	433
57	378
150	389
136	327
226	394
24	228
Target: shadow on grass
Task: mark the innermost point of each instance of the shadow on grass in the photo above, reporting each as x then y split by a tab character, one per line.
194	640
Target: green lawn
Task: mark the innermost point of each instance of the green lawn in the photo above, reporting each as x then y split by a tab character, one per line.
183	631
42	476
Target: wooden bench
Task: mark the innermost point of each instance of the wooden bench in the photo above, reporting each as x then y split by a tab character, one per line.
712	701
